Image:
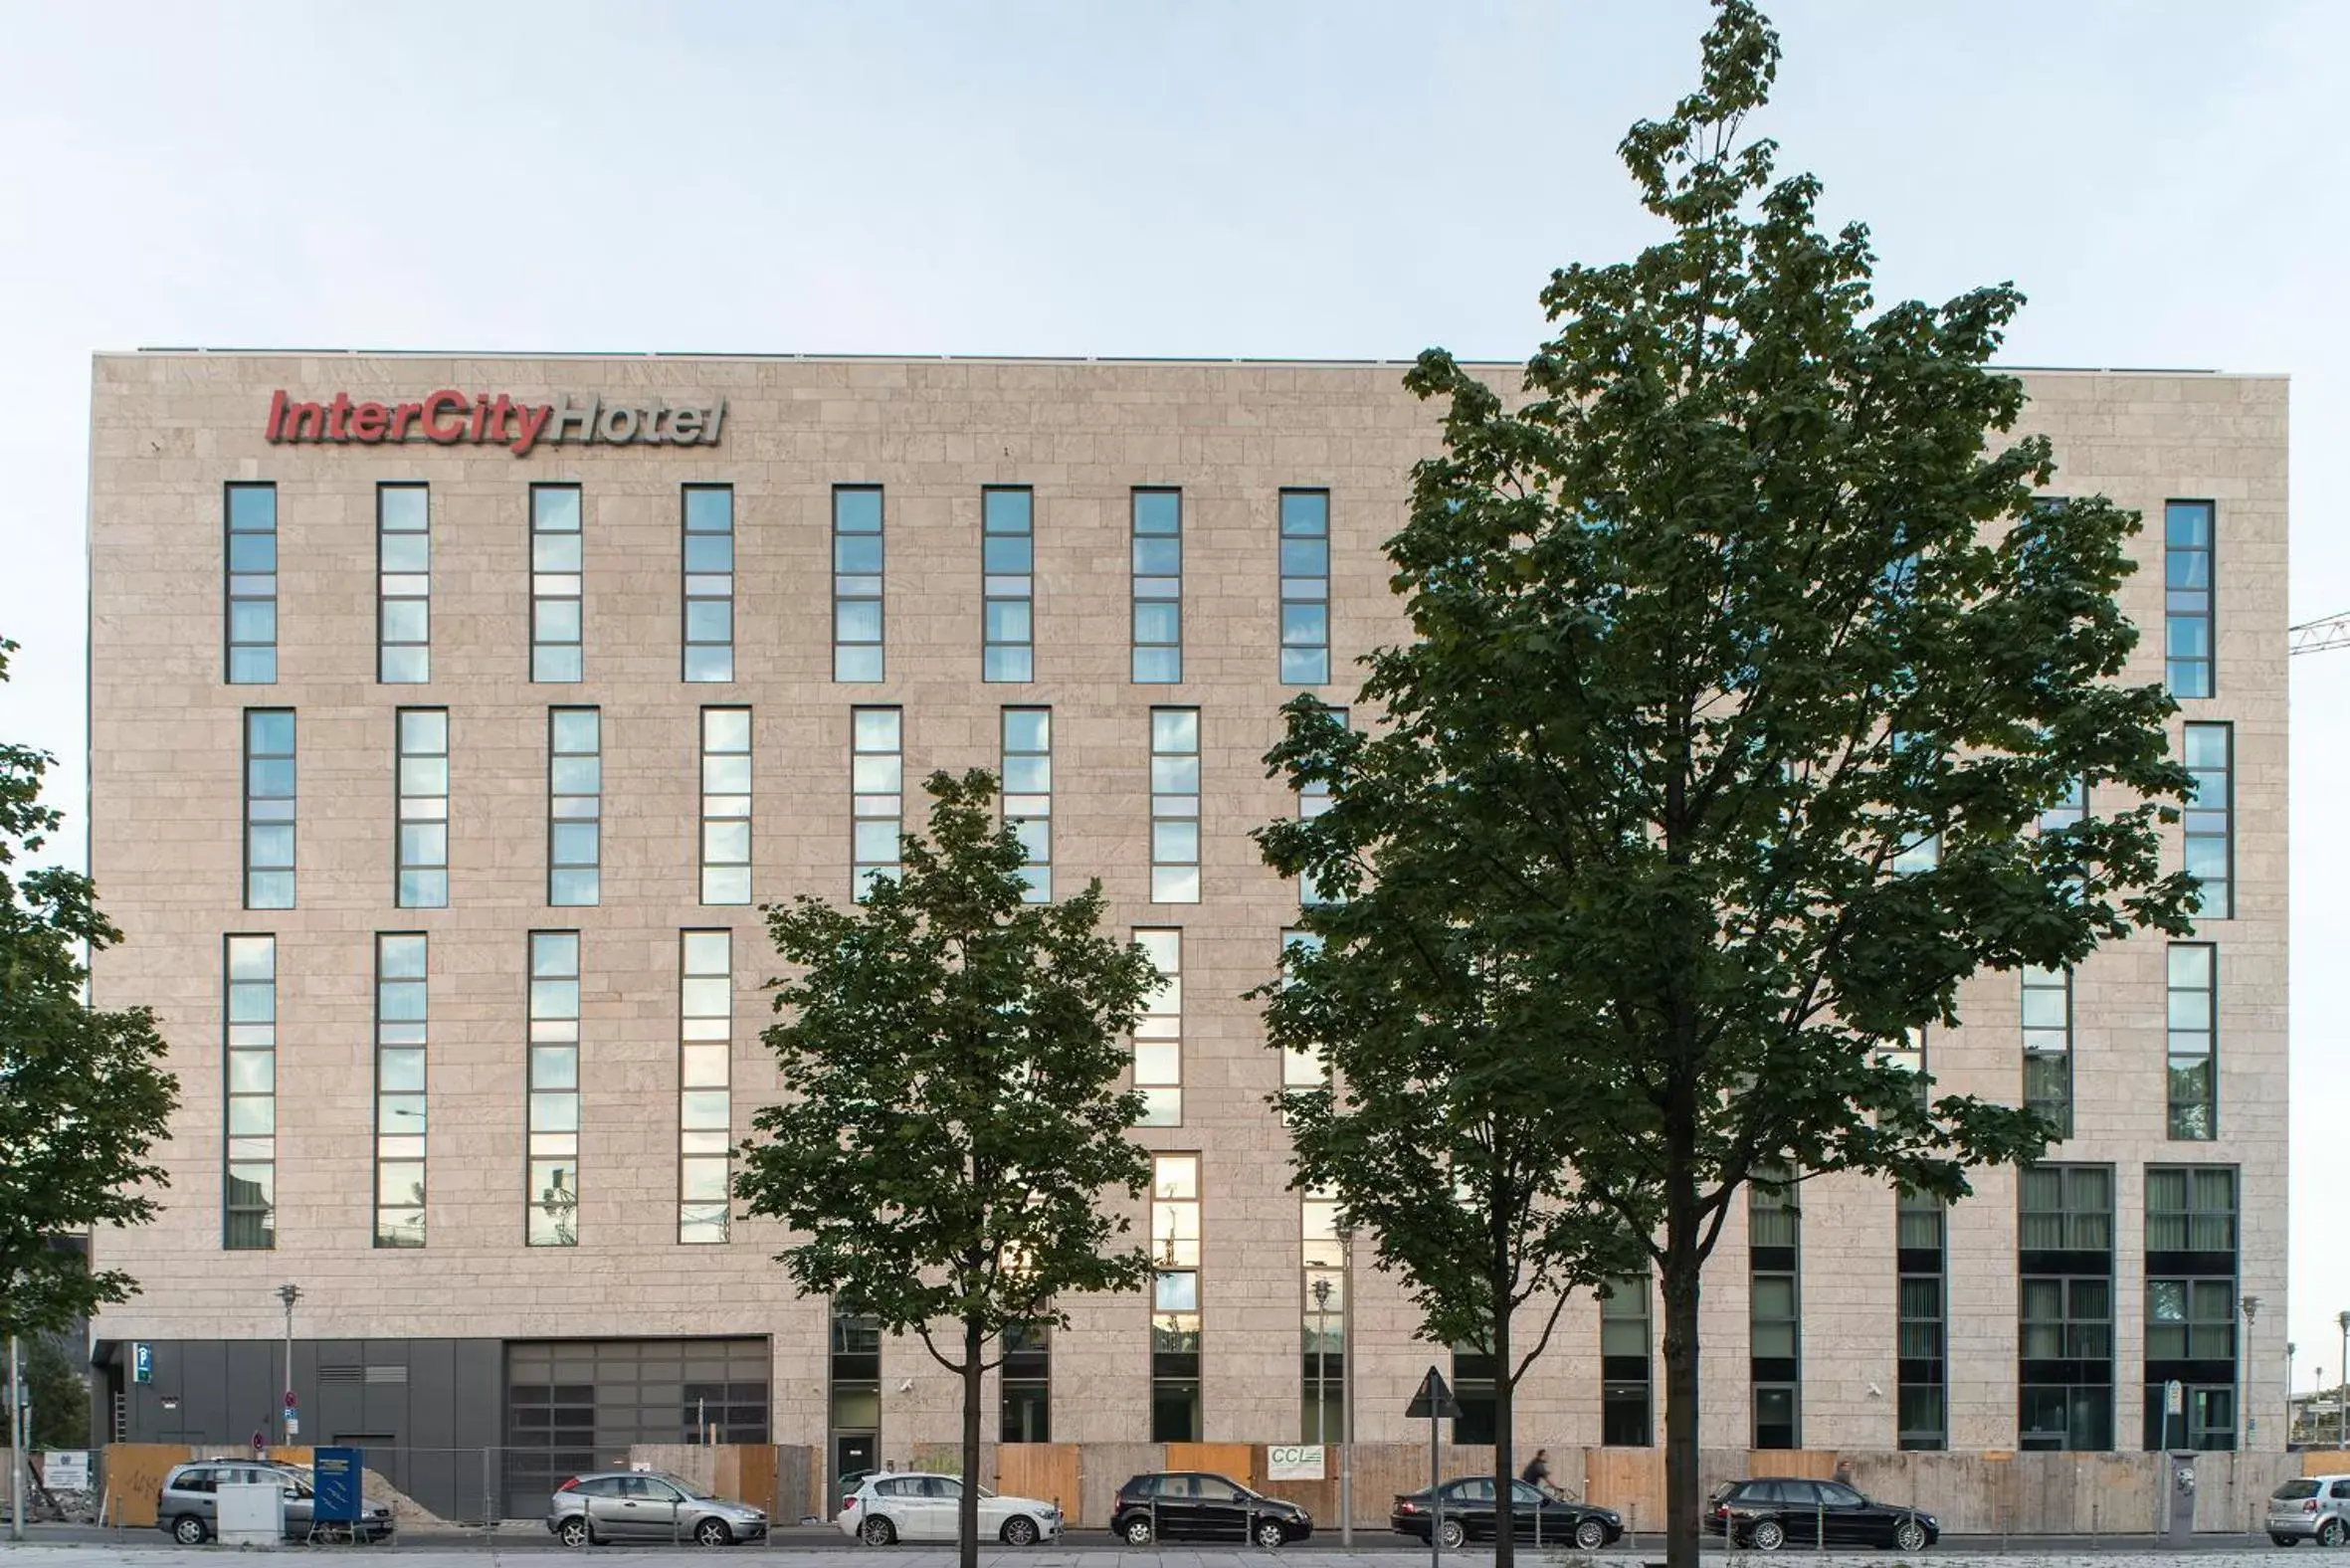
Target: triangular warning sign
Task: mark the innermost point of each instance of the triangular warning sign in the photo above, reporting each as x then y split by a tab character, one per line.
1434	1401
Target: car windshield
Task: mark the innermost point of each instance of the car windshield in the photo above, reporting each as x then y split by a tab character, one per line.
2292	1490
697	1493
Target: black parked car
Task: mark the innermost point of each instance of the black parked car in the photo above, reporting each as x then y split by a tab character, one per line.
1773	1512
1189	1506
1470	1514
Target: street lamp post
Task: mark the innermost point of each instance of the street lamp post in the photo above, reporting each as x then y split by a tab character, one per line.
2342	1393
291	1293
2289	1372
2245	1421
1321	1360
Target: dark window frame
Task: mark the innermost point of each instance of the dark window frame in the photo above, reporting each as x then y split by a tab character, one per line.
384	597
687	598
1136	578
229	580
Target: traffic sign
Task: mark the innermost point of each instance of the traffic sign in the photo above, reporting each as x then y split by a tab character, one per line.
290	1405
1434	1401
142	1362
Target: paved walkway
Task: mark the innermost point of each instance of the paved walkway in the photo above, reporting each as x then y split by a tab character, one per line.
153	1551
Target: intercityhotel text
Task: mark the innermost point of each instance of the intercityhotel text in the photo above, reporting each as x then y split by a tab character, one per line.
449	418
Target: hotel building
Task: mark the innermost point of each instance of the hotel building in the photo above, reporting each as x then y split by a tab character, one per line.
451	718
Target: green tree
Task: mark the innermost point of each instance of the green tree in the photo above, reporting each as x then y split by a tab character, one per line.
60	1399
1458	1164
953	1055
83	1098
1746	664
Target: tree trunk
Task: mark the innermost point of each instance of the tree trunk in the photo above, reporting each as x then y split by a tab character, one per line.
1679	1284
967	1515
1504	1450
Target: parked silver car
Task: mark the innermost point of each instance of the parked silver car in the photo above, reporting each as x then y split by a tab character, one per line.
187	1508
2316	1508
645	1505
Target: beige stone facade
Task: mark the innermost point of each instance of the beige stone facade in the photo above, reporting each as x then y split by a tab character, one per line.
172	429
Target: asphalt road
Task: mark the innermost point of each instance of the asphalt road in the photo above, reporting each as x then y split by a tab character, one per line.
1099	1541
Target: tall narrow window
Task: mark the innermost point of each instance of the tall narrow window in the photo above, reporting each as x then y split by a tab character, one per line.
556	569
1922	1415
1028	793
422	880
403	584
1314	798
2048	1045
250	1191
401	1008
1474	1390
2065	1240
877	800
725	805
1175	1298
857	583
2191	1305
1323	1374
269	808
2069	811
1627	1338
252	584
1774	1246
1158	1032
1028	1382
575	806
706	1109
2194	1041
1158	587
2186	578
1007	583
1306	587
1908	1052
2211	818
708	546
1302	1069
552	1200
1174	805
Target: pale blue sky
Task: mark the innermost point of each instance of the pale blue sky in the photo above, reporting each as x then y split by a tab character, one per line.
1354	180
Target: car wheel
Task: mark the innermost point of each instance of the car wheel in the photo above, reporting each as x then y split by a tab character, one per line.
1452	1535
1020	1530
2330	1533
1137	1532
1591	1536
1909	1536
1270	1535
188	1530
714	1532
878	1531
1767	1537
574	1531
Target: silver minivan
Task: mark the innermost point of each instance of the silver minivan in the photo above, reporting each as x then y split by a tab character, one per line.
2314	1508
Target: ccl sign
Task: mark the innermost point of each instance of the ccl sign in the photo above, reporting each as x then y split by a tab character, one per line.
449	418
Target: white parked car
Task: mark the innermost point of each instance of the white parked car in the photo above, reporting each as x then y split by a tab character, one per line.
921	1506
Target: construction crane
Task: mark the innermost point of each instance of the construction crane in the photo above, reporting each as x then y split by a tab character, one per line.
2315	637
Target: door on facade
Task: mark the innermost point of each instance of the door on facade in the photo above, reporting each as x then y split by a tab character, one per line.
853	1451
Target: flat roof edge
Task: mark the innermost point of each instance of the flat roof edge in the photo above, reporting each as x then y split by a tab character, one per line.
1017	359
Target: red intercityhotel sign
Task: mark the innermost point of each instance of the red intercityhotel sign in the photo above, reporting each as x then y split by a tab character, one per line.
451	417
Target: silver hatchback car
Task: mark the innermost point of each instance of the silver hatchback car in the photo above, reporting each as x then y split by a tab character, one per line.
2314	1508
645	1505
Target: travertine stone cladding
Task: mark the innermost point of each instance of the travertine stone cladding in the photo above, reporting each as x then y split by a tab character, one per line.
170	429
